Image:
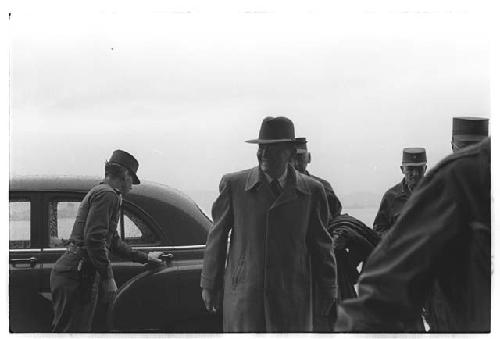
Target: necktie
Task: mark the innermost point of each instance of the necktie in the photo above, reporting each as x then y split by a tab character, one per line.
276	188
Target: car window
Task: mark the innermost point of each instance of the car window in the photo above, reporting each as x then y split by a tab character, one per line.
19	224
136	230
62	215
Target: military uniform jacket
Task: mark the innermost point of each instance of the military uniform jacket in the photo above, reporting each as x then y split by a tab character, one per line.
443	236
94	231
276	246
390	207
334	204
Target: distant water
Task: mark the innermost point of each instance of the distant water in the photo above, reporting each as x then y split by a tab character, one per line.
205	199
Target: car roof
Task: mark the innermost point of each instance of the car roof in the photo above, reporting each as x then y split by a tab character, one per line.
176	213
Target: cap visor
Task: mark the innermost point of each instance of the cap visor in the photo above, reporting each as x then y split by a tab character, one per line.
469	137
136	180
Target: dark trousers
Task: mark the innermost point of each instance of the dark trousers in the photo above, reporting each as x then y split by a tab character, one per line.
74	299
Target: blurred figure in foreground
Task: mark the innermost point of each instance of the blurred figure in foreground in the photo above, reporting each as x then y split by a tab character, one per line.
443	236
413	167
466	131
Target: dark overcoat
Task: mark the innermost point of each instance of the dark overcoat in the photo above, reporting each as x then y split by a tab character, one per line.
390	207
442	237
276	245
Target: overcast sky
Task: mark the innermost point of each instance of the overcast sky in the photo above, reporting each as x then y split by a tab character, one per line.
183	89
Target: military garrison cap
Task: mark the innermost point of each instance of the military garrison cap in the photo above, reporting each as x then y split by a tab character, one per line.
301	145
469	129
128	161
414	156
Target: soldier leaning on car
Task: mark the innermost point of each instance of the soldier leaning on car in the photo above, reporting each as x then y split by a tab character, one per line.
77	274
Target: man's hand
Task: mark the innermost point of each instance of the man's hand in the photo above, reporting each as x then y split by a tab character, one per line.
109	290
154	257
211	298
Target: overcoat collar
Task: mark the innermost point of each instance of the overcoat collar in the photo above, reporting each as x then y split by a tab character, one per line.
294	180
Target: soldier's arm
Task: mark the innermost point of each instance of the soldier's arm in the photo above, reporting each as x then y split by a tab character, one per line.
125	251
321	247
102	205
216	246
398	274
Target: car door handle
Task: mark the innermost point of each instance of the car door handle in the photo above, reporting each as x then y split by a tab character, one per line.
32	261
166	256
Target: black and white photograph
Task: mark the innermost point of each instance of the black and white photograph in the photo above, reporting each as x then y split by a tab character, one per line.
249	167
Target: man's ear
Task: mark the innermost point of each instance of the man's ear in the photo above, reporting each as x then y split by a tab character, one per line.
425	168
308	157
402	169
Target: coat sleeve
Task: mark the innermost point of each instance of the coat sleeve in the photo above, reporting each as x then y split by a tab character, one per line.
102	206
125	251
320	246
216	247
382	221
398	275
333	201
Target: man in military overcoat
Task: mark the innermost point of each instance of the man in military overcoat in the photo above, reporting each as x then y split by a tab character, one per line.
301	160
443	236
85	267
278	243
413	167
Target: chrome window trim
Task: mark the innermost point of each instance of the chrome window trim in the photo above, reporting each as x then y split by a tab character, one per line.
24	250
149	248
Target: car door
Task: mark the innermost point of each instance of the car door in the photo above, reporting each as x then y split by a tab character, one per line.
27	307
59	213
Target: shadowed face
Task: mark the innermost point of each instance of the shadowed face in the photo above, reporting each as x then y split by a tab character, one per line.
301	160
273	158
413	174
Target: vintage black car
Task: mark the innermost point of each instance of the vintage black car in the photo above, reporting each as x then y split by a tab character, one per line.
154	217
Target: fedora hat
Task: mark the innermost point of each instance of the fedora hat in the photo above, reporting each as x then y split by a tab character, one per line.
128	161
469	129
273	130
414	156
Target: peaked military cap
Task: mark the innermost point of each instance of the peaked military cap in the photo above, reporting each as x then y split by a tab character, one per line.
128	161
470	129
273	130
414	156
301	145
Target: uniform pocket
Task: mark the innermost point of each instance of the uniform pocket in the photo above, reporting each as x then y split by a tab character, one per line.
67	262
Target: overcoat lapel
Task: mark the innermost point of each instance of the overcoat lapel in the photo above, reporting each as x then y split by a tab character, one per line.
293	184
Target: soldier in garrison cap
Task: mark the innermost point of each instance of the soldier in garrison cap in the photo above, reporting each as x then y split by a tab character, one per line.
443	237
414	165
468	131
301	160
85	267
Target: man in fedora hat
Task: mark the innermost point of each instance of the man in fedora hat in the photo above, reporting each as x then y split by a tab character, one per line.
442	238
279	246
413	167
301	160
468	131
85	266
